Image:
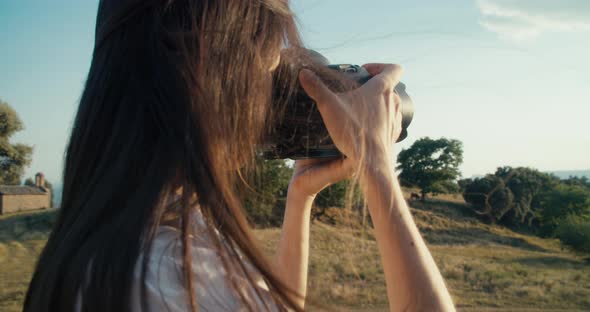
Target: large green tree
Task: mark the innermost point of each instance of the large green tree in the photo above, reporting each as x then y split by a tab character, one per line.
528	185
488	196
510	196
432	165
13	157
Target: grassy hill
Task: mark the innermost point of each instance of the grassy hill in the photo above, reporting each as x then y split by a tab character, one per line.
22	237
487	268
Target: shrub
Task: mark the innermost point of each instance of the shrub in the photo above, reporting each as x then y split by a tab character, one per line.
574	232
563	200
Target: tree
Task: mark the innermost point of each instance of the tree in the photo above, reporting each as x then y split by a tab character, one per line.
528	185
489	197
265	204
510	196
574	232
13	157
463	184
432	165
564	201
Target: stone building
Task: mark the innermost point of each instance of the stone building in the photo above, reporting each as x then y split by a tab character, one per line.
15	198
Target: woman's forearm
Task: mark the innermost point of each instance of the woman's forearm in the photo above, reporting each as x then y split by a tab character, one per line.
413	280
292	256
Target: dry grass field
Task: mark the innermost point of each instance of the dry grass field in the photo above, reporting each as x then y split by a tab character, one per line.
487	268
22	237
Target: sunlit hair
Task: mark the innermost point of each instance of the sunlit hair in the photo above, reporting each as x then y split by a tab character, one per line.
177	98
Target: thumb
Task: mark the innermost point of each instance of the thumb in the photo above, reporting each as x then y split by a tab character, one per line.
315	88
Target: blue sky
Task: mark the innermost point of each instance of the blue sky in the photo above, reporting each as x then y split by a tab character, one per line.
509	78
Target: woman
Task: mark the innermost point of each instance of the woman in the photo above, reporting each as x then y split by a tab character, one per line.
177	98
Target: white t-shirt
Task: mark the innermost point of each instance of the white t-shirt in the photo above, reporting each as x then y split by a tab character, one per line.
165	290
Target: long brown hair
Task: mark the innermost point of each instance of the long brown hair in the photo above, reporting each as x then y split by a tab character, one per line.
178	95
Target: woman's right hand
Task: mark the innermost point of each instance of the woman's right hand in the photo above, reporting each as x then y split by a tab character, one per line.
371	112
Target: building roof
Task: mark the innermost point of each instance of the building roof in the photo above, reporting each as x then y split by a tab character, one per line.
21	190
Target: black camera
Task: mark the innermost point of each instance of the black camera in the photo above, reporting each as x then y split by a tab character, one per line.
301	133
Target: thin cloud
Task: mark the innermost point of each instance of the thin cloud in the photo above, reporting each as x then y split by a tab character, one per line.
527	19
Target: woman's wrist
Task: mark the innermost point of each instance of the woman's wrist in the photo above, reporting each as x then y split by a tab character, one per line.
299	199
379	155
381	188
378	166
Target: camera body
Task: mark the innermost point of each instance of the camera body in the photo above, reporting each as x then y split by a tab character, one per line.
301	133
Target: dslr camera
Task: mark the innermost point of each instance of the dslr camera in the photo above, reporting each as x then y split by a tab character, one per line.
300	132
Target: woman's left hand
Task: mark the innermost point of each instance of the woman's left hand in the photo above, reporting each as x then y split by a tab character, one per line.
310	176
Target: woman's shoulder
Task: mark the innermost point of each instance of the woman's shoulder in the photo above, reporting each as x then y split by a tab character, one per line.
164	284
